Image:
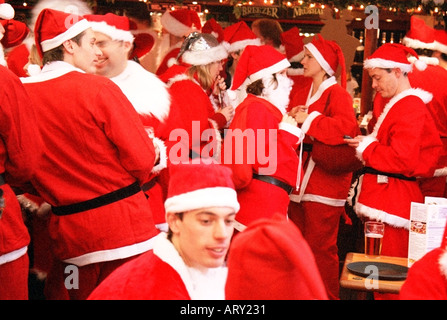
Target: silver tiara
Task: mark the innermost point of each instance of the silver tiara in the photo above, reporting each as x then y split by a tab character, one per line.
196	41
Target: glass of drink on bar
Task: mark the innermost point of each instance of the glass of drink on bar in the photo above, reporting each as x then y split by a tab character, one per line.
374	231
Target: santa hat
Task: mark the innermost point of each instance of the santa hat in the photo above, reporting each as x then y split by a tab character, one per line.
239	35
270	260
441	41
143	43
214	28
77	7
201	49
15	33
6	11
293	44
112	25
54	27
420	36
202	184
181	22
393	55
329	55
257	62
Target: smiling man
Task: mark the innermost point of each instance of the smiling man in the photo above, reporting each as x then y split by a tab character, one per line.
147	93
187	262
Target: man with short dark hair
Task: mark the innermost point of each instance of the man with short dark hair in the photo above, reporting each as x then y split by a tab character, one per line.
97	154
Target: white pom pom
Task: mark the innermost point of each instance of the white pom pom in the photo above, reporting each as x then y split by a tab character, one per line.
420	65
232	95
171	62
6	11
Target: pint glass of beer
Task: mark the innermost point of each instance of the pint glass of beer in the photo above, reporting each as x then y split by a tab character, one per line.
374	231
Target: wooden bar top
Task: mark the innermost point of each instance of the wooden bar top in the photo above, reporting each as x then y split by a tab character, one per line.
355	282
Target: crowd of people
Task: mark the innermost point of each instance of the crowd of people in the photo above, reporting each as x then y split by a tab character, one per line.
222	171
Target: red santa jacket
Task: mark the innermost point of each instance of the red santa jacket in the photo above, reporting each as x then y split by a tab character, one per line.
331	116
94	144
258	143
189	127
404	141
20	154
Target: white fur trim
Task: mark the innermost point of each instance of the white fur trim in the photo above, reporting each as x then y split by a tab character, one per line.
425	96
13	255
321	60
112	254
206	284
295	71
440	172
70	33
6	11
443	263
424	59
363	145
417	44
308	122
51	71
163	162
440	47
203	198
239	45
380	215
147	93
277	67
297	132
325	200
386	64
177	78
112	31
175	27
198	58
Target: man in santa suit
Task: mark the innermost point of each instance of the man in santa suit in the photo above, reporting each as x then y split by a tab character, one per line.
427	277
324	110
177	25
260	145
404	144
20	154
187	262
147	93
97	156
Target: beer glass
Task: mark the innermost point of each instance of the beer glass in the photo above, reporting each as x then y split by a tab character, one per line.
374	231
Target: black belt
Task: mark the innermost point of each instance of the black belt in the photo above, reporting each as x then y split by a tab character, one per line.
286	187
392	175
307	147
97	202
2	180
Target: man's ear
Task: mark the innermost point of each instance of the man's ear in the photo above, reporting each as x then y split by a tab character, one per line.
69	46
172	220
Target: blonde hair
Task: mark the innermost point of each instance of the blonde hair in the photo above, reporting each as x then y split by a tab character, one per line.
203	75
